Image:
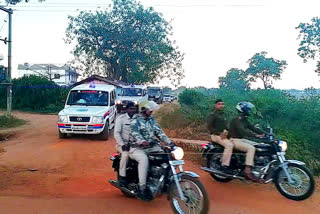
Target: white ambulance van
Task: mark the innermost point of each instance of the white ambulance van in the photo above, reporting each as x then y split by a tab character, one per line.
89	109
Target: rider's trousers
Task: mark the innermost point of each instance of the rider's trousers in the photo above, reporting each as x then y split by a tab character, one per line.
143	163
243	145
123	162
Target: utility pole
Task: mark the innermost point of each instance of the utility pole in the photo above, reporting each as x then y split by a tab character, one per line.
9	41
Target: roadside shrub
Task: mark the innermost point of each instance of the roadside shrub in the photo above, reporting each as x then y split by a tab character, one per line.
35	94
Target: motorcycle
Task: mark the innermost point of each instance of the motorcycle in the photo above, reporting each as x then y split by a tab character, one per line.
166	175
291	178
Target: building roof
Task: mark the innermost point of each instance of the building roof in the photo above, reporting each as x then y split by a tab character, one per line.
109	81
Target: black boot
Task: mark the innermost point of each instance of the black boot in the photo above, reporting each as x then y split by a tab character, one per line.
143	193
227	170
122	181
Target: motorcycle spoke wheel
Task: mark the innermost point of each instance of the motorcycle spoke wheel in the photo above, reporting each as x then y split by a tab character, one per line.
194	198
300	184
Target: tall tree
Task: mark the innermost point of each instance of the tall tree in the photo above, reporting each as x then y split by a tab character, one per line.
265	69
235	79
309	47
132	42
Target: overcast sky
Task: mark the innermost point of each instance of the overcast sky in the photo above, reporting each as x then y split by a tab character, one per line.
215	35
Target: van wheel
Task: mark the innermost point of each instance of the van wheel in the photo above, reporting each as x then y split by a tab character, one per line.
62	135
104	135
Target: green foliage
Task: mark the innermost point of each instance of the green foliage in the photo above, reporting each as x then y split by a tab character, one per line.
295	120
309	47
126	42
266	69
9	122
235	79
35	94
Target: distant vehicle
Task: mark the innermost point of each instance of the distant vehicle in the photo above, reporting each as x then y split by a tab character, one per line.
173	97
90	109
155	94
133	93
167	98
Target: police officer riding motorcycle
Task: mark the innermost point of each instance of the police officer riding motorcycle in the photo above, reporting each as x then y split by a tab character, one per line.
155	168
292	179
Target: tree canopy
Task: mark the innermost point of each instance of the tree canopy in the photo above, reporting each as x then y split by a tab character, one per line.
309	47
235	79
126	42
265	69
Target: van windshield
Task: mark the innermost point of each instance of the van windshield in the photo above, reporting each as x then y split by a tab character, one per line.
131	92
154	91
88	98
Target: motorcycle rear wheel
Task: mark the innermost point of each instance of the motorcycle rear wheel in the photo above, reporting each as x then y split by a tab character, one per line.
213	163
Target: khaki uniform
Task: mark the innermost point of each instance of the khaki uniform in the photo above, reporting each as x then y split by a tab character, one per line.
217	125
122	132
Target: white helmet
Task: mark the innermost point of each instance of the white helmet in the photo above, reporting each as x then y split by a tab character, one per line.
151	105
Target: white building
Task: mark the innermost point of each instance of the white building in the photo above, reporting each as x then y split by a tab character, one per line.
62	75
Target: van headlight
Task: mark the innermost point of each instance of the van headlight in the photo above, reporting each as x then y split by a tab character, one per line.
63	119
177	153
136	102
283	145
97	120
118	102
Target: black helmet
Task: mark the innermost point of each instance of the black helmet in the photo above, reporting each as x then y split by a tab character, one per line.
245	107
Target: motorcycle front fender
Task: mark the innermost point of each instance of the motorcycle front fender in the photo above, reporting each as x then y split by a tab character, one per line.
292	161
189	173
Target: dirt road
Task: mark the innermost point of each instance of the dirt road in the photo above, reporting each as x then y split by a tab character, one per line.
41	174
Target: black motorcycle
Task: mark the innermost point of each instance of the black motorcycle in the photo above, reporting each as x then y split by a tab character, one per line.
165	175
292	179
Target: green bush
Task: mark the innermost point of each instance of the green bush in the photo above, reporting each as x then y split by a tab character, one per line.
35	94
9	122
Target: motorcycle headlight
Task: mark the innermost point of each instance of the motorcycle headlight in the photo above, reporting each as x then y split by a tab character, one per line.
177	153
97	120
283	145
63	119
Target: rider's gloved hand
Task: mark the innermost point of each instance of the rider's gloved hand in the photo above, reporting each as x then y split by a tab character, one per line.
125	148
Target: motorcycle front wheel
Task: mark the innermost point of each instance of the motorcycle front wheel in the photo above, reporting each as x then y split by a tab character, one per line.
302	185
197	200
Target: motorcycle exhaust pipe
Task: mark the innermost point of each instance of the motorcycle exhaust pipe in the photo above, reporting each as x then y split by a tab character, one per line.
215	171
218	172
116	184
